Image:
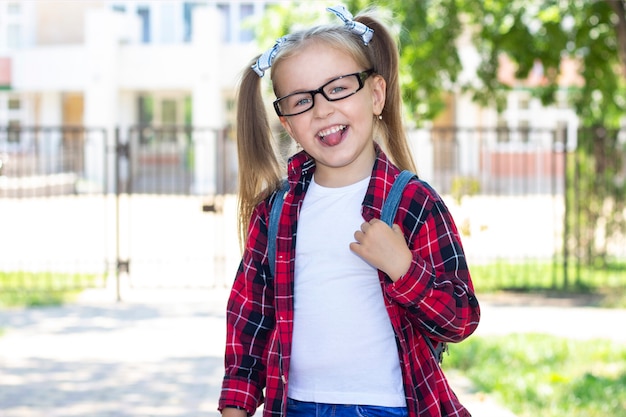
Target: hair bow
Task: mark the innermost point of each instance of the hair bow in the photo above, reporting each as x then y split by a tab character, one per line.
357	28
265	61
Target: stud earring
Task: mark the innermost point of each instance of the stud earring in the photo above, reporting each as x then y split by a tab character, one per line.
380	117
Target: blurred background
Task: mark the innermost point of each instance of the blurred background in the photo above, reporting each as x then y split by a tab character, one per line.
117	116
117	143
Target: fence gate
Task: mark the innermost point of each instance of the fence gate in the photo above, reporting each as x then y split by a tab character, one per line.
174	208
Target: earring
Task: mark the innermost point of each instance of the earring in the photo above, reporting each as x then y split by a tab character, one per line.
380	117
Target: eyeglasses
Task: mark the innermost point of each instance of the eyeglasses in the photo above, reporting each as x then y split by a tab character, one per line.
334	90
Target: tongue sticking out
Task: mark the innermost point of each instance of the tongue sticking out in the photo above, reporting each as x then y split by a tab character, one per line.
334	138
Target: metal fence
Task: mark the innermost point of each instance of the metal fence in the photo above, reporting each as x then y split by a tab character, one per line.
155	206
82	207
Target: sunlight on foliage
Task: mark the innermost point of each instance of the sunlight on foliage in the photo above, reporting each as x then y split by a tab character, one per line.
547	376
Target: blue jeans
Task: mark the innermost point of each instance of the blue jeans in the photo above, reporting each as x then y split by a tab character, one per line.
297	408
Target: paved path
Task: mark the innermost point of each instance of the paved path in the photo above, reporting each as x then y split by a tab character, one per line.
149	357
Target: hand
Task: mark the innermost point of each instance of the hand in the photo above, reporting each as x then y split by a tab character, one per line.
383	247
233	412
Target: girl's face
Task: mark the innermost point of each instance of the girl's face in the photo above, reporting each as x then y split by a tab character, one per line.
337	134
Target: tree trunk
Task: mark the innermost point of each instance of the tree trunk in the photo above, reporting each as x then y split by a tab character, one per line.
619	7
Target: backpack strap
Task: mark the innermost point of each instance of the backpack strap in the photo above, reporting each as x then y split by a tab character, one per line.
391	204
388	214
272	227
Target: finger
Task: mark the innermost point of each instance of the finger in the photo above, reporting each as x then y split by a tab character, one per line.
398	231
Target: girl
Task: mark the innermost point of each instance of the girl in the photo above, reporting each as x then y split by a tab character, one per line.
339	328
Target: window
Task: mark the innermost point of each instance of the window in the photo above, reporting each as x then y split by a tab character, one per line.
188	8
524	103
524	130
145	110
168	112
14	36
502	131
144	15
14	104
13	8
13	131
224	10
246	34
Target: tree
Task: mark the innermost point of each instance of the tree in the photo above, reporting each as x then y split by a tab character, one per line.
591	33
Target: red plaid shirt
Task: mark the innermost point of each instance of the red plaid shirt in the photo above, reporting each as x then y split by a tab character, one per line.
435	296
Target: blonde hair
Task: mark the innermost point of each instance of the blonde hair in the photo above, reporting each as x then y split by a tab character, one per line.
260	165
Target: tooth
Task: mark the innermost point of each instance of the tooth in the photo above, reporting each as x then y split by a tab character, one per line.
331	130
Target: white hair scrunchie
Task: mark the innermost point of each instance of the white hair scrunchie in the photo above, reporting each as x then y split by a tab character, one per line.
265	61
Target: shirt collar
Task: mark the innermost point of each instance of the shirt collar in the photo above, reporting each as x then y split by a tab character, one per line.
302	166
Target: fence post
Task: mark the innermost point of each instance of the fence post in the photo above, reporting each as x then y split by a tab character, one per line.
122	150
566	209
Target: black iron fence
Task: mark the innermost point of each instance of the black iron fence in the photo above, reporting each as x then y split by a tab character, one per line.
83	207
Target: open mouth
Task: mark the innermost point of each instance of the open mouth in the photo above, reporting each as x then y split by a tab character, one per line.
333	135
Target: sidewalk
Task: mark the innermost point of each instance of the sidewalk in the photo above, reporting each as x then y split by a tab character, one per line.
150	356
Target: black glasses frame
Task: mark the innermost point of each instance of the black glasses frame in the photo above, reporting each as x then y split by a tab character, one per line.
361	76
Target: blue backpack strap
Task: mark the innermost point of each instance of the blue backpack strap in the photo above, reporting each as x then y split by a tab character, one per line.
272	227
390	207
388	214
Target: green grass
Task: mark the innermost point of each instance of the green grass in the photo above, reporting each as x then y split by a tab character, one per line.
541	375
608	282
26	289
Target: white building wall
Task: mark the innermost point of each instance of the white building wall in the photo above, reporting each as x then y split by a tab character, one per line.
49	148
207	99
100	90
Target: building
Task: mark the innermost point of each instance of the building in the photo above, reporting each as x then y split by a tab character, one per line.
116	64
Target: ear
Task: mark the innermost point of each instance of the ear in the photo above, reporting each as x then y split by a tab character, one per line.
379	93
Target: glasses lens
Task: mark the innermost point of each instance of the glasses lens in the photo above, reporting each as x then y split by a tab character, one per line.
341	87
295	103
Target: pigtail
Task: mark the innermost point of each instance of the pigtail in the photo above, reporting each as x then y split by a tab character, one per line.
383	52
259	168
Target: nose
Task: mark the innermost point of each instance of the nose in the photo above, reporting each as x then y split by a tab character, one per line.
322	107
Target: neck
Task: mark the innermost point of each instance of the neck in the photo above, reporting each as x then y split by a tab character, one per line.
352	173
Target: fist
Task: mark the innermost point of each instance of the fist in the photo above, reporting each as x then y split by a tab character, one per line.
383	247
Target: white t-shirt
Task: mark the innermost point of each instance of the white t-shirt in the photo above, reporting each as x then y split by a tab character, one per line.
344	349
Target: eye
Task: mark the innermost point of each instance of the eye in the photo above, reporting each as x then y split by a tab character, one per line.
297	101
337	89
341	87
304	101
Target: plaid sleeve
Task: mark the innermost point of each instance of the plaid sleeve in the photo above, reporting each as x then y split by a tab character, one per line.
249	322
437	290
